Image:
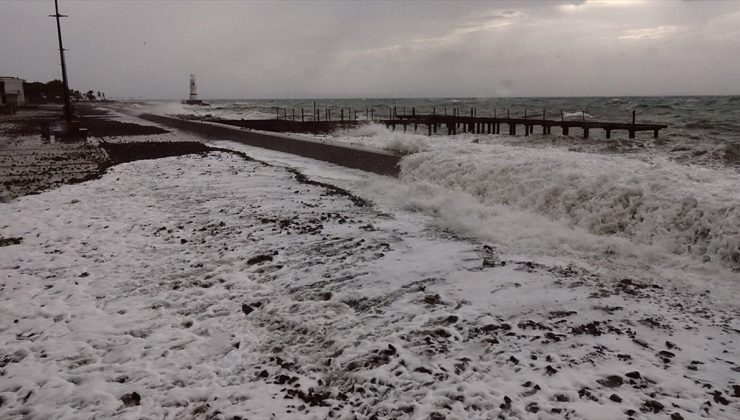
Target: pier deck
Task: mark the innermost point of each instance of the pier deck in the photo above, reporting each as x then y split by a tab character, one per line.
492	125
452	124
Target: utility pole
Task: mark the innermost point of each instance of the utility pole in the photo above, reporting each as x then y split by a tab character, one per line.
70	129
67	103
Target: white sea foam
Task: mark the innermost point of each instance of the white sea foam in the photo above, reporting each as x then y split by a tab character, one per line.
646	210
229	111
377	136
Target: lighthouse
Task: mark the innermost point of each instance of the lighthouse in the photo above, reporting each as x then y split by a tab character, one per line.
193	99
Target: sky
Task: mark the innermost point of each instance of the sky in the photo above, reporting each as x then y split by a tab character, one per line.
336	49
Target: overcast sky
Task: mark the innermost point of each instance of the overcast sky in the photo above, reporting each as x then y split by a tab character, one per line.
243	49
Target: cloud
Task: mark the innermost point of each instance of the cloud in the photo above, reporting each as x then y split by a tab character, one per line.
490	21
597	4
656	32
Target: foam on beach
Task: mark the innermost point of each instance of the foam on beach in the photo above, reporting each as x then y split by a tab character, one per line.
558	201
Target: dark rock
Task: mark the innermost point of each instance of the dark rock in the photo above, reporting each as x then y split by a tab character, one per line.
592	328
493	327
201	409
616	398
183	241
259	259
561	398
586	393
247	309
282	379
130	400
671	345
434	299
719	398
506	406
531	391
651	405
562	314
532	407
514	360
550	370
736	390
83	275
612	381
423	370
264	374
390	351
436	416
634	374
10	241
641	343
676	416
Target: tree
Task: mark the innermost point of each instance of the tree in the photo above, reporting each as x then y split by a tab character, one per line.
39	92
90	96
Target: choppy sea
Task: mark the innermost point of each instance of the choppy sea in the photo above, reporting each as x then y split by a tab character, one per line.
701	129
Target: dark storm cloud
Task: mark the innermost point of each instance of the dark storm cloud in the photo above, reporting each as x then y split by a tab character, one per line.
146	49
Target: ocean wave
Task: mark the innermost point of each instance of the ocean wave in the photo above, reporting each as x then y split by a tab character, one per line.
683	210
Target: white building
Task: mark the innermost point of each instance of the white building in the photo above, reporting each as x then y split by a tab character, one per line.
11	91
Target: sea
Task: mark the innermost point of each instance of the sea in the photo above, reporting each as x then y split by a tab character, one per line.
671	203
701	129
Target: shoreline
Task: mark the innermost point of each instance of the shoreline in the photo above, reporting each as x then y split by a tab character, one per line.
214	285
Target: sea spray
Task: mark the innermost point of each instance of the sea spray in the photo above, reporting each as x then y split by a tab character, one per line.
683	209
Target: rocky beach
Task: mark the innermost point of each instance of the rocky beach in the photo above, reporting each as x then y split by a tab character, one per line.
207	279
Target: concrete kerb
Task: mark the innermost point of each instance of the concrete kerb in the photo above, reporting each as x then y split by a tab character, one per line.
376	161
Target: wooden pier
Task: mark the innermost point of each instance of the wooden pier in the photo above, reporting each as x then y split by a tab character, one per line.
492	125
329	120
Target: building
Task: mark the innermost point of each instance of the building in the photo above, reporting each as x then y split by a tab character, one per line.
11	91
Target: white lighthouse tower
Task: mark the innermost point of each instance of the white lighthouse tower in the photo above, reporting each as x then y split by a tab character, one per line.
193	100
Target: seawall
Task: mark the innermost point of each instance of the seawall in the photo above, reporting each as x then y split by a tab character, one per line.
376	161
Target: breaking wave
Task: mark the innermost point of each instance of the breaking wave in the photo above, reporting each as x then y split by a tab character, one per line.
684	210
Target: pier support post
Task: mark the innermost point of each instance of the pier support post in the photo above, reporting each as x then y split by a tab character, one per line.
566	130
655	133
608	133
585	132
512	129
632	133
